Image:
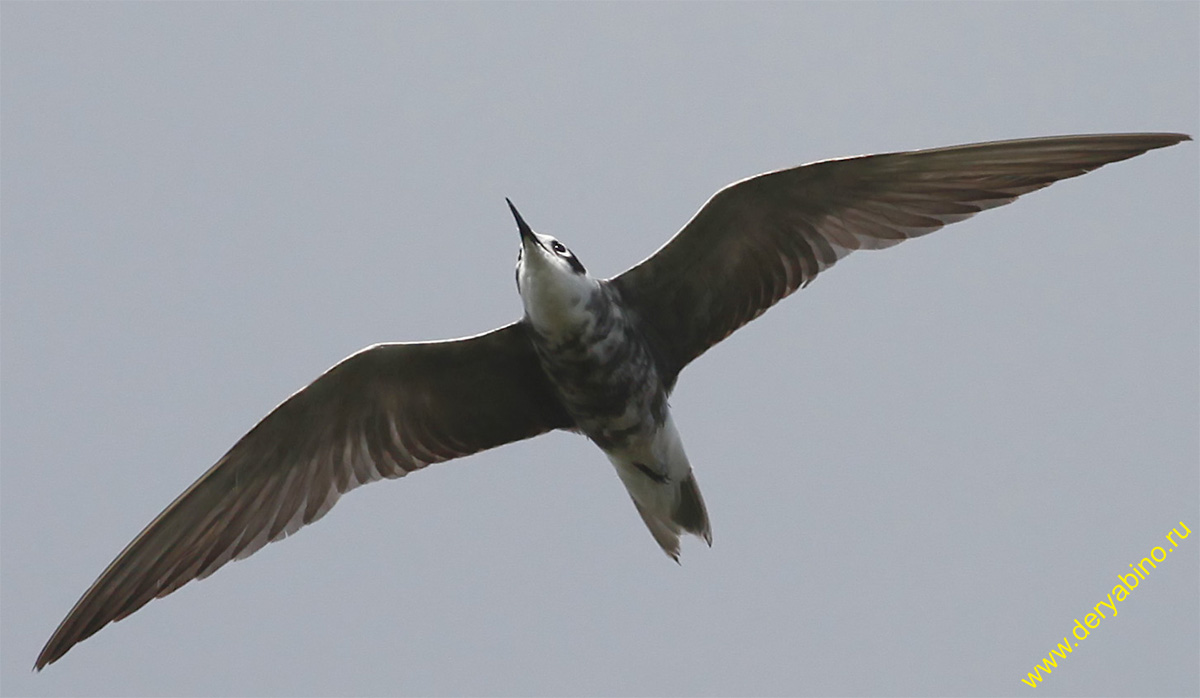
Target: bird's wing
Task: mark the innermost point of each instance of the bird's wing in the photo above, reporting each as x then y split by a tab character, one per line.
383	412
758	240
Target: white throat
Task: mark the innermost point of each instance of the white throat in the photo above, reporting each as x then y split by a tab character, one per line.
555	296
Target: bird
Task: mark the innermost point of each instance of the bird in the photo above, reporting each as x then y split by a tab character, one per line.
594	356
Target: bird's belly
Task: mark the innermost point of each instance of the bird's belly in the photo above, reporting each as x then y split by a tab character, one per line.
610	385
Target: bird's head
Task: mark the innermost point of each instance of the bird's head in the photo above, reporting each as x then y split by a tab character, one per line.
549	277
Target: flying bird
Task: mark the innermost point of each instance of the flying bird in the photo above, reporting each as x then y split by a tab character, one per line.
594	356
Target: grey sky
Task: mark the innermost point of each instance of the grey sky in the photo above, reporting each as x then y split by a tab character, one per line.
920	470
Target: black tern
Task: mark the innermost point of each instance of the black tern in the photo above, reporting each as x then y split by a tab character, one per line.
594	356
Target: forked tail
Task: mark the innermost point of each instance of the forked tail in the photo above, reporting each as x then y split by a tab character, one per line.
674	507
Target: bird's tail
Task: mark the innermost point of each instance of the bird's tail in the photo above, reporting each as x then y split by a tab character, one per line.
684	512
663	488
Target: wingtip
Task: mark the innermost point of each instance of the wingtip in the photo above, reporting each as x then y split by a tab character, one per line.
1168	139
41	663
50	654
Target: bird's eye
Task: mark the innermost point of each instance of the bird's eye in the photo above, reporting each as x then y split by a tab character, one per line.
558	247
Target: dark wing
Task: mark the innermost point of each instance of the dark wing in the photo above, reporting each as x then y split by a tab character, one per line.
383	412
758	240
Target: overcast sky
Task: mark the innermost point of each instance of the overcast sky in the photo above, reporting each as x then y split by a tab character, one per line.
920	470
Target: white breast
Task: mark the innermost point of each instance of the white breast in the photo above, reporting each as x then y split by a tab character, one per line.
556	299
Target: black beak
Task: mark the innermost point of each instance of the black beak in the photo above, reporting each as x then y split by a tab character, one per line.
522	226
